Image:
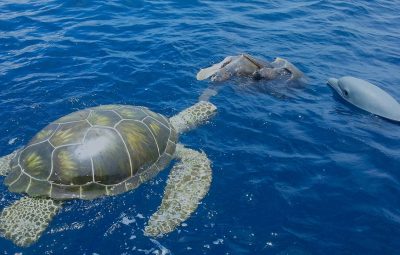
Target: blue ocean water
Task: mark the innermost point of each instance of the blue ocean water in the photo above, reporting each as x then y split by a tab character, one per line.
295	170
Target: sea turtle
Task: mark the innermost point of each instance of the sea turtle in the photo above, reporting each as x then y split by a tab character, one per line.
247	66
100	151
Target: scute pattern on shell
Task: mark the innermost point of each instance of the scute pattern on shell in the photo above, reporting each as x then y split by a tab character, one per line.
105	150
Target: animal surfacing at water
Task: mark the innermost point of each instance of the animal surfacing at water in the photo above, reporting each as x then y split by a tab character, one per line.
245	65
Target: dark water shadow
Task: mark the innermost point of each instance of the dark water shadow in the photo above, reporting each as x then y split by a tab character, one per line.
281	88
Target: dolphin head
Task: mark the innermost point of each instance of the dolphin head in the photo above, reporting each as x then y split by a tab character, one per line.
339	87
366	96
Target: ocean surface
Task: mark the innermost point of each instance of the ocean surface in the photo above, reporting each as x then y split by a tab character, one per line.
296	170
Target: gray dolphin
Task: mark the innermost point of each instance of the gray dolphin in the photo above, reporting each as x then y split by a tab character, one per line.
246	65
366	96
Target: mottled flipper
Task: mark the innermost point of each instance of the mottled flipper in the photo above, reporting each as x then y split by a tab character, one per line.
188	182
193	116
24	221
5	163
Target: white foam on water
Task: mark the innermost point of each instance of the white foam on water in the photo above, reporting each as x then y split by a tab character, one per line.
127	221
65	227
218	241
163	250
12	141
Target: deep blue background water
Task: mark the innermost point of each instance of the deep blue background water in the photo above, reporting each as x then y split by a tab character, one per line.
296	171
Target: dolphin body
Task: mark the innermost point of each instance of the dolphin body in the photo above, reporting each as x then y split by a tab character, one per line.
366	96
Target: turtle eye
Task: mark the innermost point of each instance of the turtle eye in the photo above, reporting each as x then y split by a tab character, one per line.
345	92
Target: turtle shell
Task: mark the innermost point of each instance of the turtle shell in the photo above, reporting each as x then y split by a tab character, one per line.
105	150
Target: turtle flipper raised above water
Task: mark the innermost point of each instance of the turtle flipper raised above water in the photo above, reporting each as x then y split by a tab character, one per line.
206	73
105	150
241	65
294	72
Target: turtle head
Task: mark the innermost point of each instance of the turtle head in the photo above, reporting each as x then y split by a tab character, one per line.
269	73
257	75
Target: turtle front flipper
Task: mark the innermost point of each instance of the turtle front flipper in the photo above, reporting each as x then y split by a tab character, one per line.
24	221
188	182
205	73
5	163
193	116
208	93
259	63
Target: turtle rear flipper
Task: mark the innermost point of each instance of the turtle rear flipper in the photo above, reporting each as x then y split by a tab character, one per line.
296	74
24	221
188	182
5	163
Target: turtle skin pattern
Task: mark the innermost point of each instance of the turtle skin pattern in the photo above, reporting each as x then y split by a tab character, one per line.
105	150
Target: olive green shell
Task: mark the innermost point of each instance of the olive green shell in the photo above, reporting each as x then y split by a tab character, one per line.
104	150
